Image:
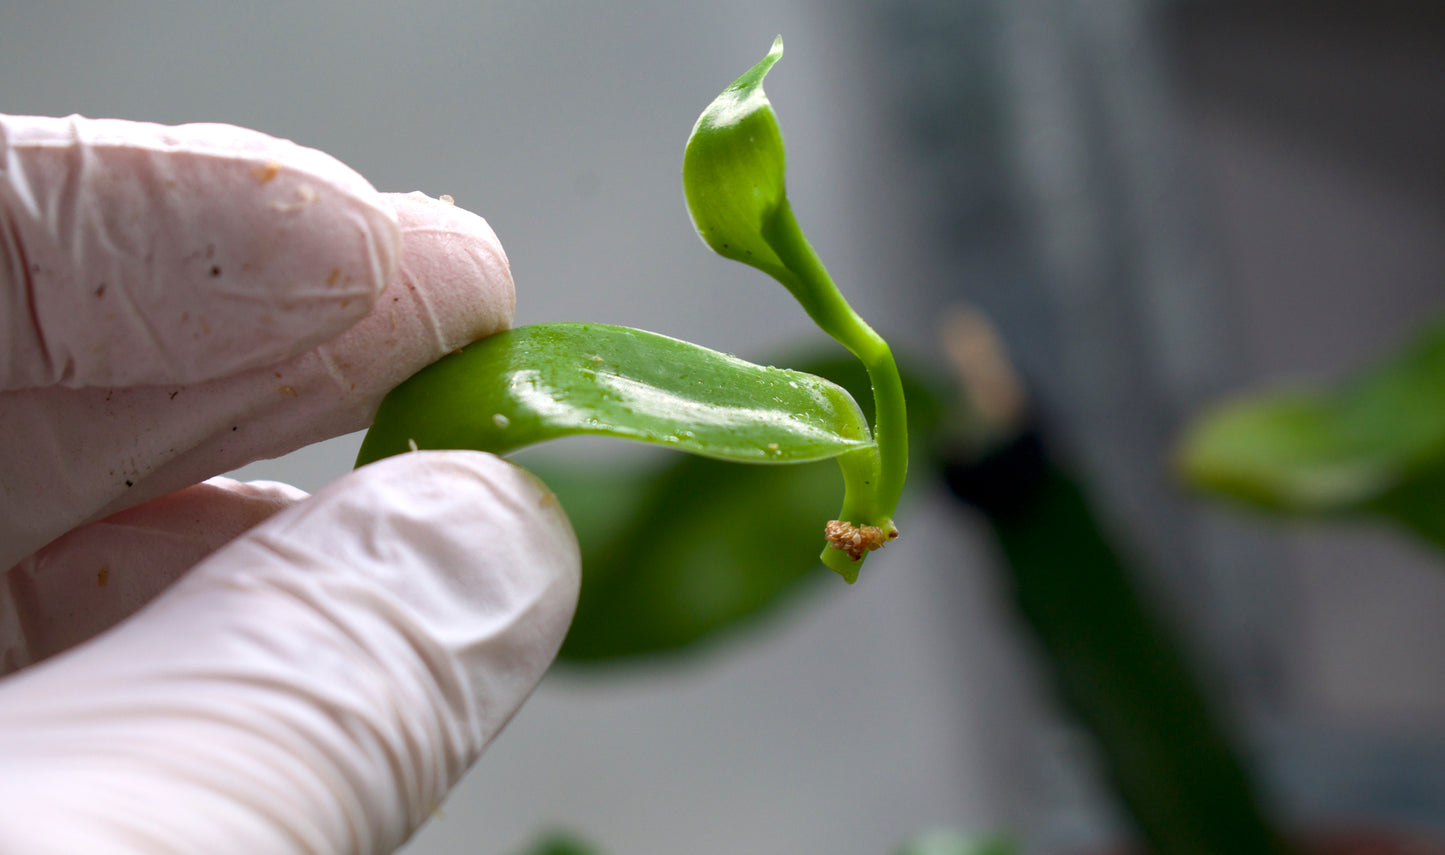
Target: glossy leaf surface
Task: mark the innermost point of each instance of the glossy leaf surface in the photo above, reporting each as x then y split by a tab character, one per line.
1374	444
541	382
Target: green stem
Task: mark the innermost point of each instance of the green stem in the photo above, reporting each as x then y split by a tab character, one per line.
809	281
861	506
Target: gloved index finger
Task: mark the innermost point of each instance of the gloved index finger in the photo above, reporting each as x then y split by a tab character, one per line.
134	253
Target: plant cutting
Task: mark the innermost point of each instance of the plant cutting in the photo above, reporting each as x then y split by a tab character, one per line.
546	381
1114	658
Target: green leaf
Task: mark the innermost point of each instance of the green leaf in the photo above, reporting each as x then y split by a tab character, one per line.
541	382
560	843
733	170
1418	503
954	843
1375	444
678	556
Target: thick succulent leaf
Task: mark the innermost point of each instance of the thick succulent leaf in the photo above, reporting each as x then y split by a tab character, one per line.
541	382
1117	663
1375	443
733	170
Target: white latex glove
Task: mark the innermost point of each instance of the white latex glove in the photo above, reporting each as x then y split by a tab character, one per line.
175	302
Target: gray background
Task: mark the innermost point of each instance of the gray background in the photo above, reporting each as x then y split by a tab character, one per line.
1149	212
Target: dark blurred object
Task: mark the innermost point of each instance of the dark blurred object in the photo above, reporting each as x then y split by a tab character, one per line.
1005	482
1353	841
1114	661
1109	651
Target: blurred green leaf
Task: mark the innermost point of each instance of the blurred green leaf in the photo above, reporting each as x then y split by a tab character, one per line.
1373	445
561	844
1418	503
954	843
672	557
676	554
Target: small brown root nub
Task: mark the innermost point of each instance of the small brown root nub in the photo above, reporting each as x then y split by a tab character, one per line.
856	540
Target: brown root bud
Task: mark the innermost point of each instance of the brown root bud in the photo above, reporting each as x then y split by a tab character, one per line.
857	540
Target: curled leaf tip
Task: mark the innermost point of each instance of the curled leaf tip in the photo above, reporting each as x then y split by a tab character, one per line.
752	79
733	168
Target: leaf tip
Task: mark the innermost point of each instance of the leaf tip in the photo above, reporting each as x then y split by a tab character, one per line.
752	79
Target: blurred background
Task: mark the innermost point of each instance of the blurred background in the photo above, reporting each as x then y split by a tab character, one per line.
1157	202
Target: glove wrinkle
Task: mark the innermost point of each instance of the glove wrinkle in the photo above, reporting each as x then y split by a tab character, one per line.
230	668
486	261
317	686
93	452
158	254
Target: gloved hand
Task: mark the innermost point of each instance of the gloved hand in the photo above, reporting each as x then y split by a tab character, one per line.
310	674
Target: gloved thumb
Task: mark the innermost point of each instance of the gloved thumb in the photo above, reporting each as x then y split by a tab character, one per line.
316	686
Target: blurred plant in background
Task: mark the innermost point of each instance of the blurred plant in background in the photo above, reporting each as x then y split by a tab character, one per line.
667	575
1372	447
